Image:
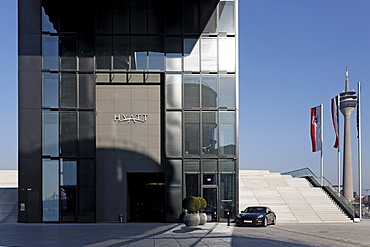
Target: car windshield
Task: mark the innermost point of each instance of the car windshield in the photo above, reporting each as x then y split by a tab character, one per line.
255	210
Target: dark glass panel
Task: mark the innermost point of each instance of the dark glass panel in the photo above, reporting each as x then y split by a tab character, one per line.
191	91
192	133
121	46
208	15
86	18
227	166
121	16
103	52
192	184
209	133
86	134
173	134
191	16
227	133
86	91
68	16
86	188
68	52
86	52
156	17
68	204
139	16
68	134
173	20
68	90
103	17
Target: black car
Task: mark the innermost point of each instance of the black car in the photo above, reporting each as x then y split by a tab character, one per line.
256	215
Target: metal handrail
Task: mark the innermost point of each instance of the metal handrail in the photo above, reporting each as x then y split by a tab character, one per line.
322	182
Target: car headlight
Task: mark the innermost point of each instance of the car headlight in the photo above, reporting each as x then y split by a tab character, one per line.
238	216
260	216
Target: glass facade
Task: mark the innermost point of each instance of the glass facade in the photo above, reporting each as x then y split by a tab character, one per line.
188	48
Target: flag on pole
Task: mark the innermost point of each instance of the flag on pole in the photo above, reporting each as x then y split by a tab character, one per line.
358	111
316	128
335	118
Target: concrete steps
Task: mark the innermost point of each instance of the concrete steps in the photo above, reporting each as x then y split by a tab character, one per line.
292	199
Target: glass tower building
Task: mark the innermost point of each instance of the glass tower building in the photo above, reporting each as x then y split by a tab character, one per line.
125	108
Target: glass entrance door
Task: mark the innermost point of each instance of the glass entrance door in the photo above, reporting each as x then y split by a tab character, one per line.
210	195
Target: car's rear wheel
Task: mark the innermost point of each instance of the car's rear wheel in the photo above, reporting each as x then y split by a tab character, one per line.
274	221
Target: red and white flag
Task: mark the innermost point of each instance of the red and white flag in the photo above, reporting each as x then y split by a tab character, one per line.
335	118
316	128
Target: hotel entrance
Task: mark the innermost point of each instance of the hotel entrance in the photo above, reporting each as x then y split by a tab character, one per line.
146	197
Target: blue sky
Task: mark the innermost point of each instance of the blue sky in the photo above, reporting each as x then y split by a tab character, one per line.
293	56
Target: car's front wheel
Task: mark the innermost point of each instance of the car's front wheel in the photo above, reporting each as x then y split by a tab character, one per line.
274	221
265	222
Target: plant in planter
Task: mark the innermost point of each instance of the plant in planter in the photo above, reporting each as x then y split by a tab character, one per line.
191	204
202	206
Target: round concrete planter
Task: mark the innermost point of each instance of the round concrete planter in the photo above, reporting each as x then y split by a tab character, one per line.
191	219
203	218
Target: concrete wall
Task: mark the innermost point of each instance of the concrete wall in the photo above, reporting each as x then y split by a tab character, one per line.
124	146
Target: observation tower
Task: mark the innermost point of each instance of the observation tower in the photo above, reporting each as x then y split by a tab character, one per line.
348	102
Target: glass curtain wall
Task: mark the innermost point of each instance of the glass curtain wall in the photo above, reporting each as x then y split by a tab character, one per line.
201	104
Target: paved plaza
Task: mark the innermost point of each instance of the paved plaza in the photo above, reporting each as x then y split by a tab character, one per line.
177	234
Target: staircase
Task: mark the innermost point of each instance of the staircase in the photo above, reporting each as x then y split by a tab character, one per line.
293	200
8	204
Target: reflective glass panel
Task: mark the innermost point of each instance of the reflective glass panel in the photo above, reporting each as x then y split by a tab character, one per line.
227	195
139	49
173	53
227	139
211	25
226	17
191	54
227	166
173	91
68	173
50	133
209	91
227	91
68	90
173	134
50	93
47	25
86	52
191	17
209	53
209	133
50	190
192	133
209	166
191	91
50	52
226	56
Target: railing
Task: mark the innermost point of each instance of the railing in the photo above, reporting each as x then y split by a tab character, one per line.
334	194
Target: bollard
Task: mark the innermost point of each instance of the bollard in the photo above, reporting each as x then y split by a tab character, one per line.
228	218
121	218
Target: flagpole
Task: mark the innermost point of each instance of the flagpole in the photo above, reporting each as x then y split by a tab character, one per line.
338	154
359	148
322	142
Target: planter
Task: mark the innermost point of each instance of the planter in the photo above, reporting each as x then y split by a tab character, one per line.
203	218
191	219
